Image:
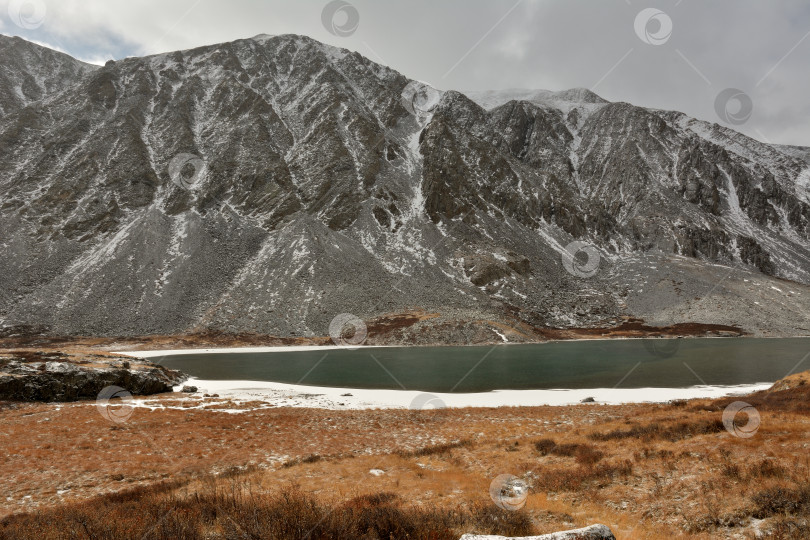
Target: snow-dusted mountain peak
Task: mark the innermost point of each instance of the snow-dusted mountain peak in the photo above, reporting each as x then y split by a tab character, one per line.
268	184
490	99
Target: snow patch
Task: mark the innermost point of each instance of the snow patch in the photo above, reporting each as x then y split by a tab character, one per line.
289	395
735	212
803	185
261	38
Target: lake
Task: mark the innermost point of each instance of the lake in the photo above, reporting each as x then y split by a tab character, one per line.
657	363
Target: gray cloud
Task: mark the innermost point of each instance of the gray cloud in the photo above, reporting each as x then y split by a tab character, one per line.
493	44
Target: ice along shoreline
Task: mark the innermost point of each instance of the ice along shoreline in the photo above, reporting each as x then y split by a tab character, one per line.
290	395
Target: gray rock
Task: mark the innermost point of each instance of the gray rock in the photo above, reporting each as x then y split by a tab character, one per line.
594	532
189	389
24	380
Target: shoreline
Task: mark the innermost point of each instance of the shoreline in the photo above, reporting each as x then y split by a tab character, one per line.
150	353
333	398
225	350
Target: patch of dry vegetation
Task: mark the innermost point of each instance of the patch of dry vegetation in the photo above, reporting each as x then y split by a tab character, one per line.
668	432
234	510
646	471
436	449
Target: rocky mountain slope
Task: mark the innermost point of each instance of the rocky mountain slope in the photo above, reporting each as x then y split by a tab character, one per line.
268	184
29	73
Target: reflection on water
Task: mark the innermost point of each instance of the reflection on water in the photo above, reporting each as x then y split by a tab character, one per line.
658	363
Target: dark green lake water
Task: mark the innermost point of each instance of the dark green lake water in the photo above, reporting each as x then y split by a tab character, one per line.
571	364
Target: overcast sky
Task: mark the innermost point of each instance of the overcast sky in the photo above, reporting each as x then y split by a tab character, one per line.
675	54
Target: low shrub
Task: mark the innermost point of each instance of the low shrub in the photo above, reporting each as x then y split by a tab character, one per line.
789	529
582	476
435	449
766	468
782	501
656	431
585	454
544	446
312	458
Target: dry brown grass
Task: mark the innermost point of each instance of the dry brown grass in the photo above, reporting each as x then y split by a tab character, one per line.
647	471
435	449
669	432
234	510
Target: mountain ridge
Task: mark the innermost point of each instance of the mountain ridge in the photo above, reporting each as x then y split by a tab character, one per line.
30	72
320	182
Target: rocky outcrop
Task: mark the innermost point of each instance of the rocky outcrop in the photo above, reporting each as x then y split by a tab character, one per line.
60	377
792	381
484	268
594	532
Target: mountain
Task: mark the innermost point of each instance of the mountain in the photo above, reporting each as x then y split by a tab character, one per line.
269	184
30	73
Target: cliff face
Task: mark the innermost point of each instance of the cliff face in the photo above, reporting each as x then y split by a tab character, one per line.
269	184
